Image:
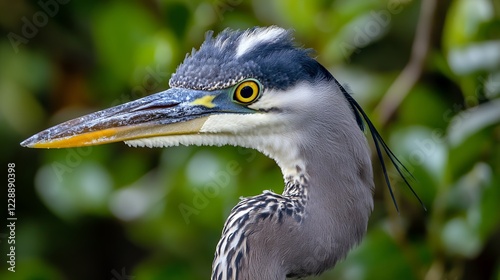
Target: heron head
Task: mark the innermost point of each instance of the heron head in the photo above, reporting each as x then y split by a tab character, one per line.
252	88
239	88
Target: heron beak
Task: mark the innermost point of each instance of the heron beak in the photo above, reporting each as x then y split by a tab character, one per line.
176	111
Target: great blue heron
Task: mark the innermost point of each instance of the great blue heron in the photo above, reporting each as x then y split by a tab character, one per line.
257	89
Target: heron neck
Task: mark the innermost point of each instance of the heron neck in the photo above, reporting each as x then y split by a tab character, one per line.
336	183
333	183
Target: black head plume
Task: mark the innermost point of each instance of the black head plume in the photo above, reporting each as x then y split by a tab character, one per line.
379	146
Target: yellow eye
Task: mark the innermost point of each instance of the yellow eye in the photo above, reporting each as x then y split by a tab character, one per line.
246	92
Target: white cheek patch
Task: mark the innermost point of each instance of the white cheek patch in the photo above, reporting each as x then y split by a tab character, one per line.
243	124
298	98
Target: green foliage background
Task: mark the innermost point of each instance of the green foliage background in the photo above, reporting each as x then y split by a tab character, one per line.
113	212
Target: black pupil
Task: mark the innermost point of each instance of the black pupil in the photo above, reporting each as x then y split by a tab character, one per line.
246	92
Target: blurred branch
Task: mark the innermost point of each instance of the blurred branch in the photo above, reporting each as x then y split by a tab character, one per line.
427	36
429	29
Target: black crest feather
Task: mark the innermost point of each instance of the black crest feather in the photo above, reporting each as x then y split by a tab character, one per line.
379	146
